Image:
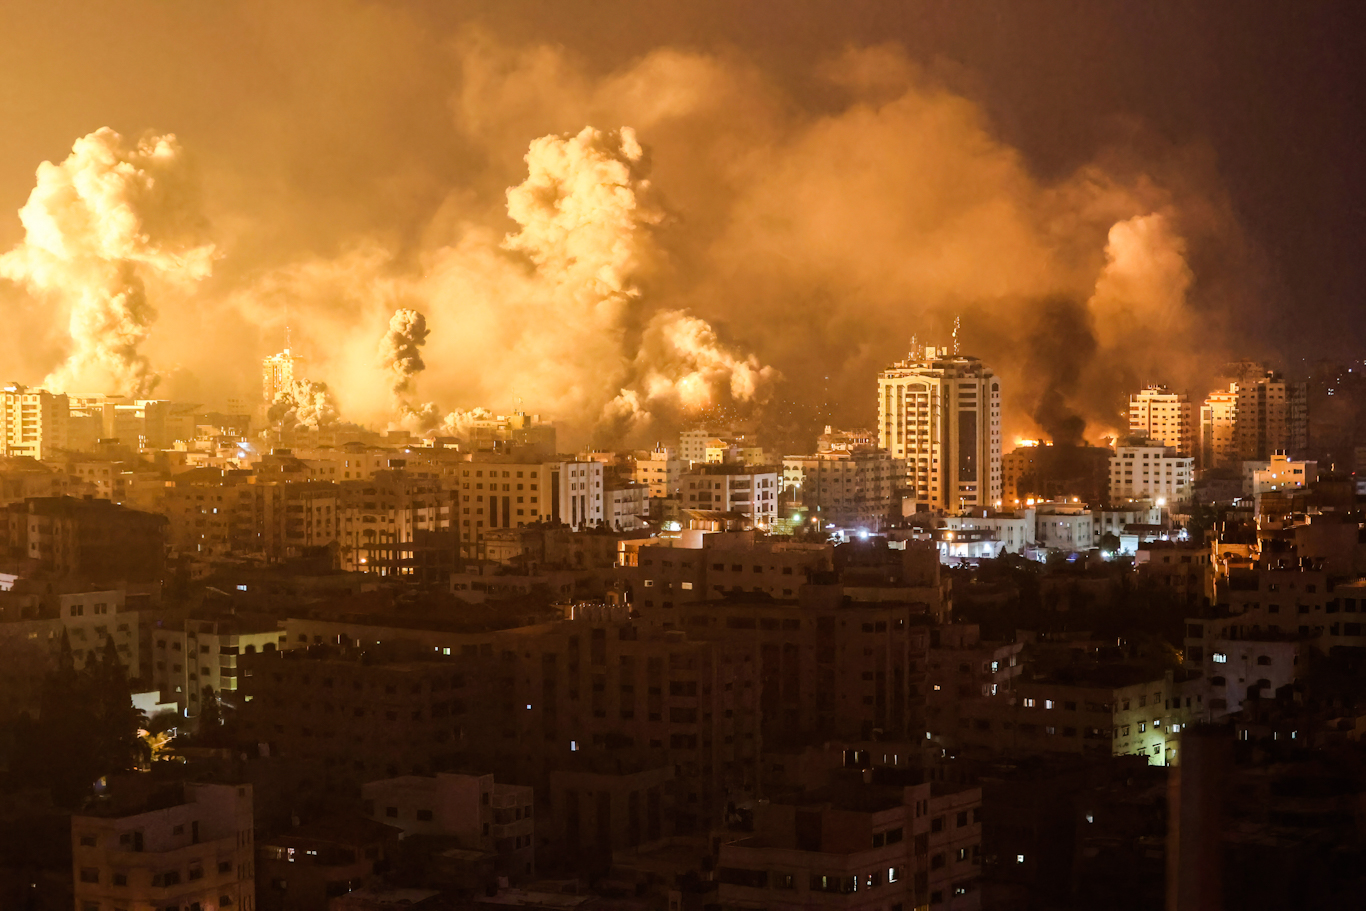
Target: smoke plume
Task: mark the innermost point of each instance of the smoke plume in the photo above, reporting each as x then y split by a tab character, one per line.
304	405
97	227
400	350
751	233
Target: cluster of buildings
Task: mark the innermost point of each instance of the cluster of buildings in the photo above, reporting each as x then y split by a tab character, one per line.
457	672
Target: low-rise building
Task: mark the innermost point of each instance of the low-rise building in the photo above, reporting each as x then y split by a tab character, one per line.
306	867
752	492
185	847
856	845
478	812
1154	473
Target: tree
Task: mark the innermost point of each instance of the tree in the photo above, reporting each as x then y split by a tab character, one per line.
210	717
87	727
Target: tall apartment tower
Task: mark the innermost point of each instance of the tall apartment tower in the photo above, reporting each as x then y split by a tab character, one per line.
1164	417
277	372
1257	415
33	422
1217	419
1272	416
941	412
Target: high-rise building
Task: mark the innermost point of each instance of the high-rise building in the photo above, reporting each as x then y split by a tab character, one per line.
277	373
1258	415
941	413
33	422
1217	418
1272	416
1164	417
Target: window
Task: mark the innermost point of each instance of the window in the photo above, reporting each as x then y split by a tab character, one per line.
1219	657
391	812
424	815
90	874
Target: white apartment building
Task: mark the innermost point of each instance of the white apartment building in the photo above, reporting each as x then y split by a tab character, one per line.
1064	526
578	493
1164	417
941	413
197	853
732	488
1154	473
1015	531
33	422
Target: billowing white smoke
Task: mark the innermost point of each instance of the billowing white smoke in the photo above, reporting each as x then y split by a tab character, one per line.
96	227
683	366
587	214
400	350
304	405
462	423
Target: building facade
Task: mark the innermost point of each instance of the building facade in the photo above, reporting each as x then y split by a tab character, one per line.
1154	473
1164	417
941	413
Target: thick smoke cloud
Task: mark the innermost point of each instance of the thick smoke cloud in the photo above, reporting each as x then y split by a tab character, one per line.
400	351
97	227
744	235
304	405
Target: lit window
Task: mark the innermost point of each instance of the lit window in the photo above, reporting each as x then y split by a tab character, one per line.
1048	703
1019	858
1219	658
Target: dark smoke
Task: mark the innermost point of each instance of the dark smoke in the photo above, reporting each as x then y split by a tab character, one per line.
1061	347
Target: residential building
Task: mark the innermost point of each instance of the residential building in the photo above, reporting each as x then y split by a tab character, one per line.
854	845
1218	422
665	572
940	412
1065	526
850	488
1156	473
185	847
277	374
33	422
1164	417
1259	414
1014	530
478	812
382	518
1184	567
626	505
1271	415
660	470
577	488
1278	473
90	539
737	488
196	652
306	867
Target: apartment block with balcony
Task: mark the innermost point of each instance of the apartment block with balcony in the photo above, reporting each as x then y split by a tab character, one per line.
187	846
